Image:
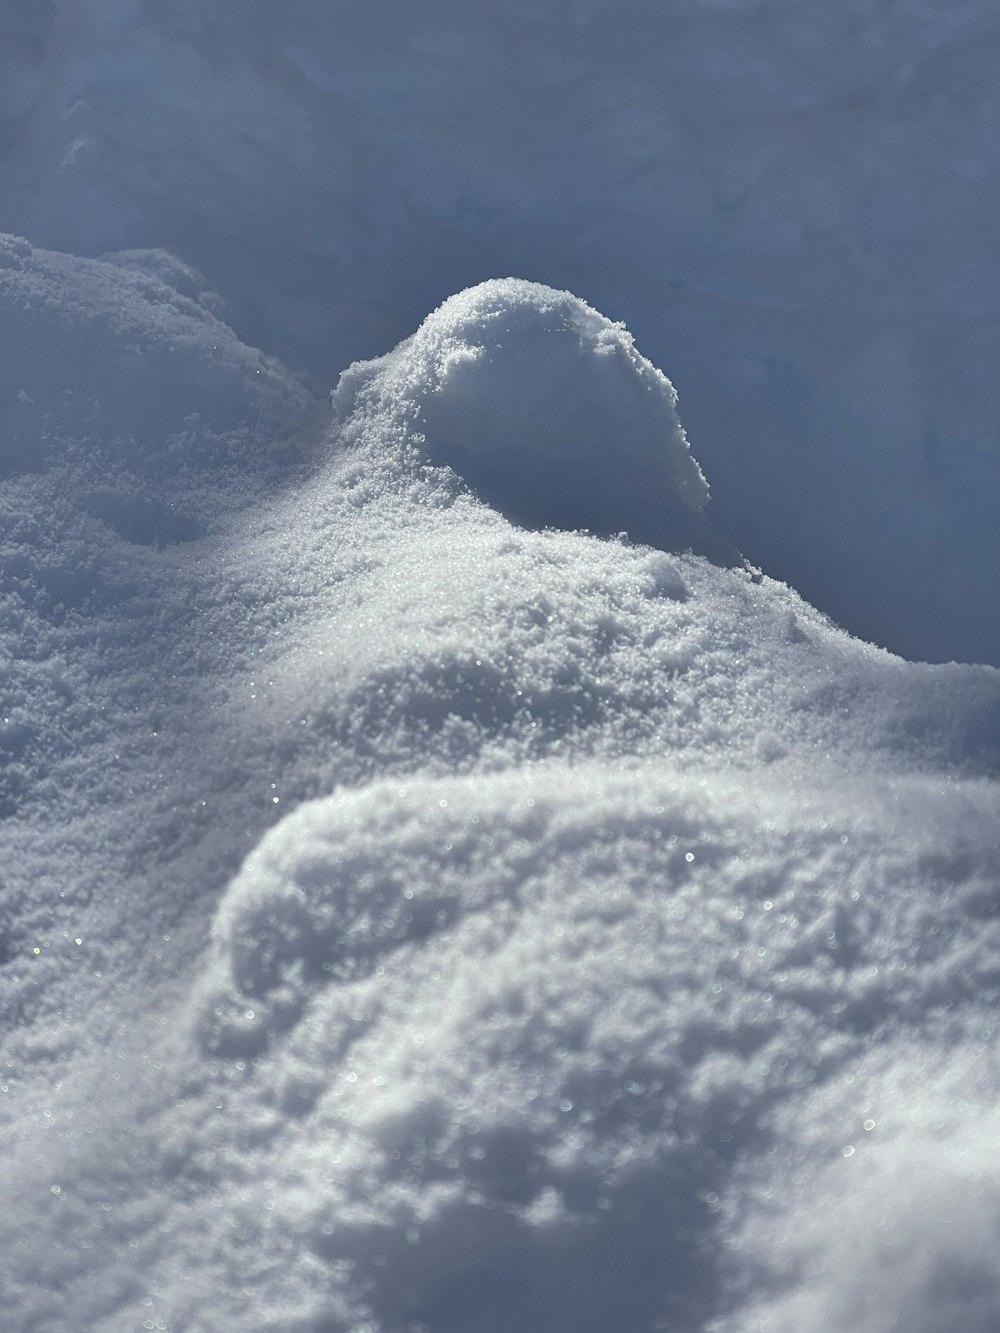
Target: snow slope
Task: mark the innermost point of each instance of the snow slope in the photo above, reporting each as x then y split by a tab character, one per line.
792	205
420	916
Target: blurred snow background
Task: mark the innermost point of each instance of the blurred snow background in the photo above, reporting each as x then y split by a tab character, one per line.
418	915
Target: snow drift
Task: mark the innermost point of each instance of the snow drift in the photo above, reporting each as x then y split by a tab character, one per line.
418	920
114	364
546	408
545	1031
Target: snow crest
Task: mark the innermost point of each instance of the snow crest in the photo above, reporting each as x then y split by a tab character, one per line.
411	922
542	1030
545	408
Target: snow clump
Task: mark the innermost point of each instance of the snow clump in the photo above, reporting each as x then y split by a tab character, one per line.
545	408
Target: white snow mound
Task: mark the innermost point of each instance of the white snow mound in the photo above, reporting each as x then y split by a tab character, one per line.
544	407
108	364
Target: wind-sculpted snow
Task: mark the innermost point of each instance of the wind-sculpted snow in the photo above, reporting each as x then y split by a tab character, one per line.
108	365
417	919
792	205
546	408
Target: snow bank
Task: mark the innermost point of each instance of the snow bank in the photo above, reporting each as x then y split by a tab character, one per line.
792	206
545	407
413	920
108	364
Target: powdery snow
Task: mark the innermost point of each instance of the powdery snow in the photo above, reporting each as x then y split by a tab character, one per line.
415	920
791	205
545	407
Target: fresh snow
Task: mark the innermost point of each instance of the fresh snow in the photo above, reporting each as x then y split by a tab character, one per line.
545	408
445	887
792	206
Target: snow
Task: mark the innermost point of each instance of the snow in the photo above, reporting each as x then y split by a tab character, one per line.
551	1021
791	206
545	407
445	886
111	359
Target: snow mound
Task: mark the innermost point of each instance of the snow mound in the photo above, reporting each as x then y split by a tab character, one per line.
109	364
413	923
538	1032
898	1228
545	408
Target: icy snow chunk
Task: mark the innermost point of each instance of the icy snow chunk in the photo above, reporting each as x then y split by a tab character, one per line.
544	407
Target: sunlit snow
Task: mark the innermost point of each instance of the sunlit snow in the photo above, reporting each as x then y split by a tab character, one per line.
445	886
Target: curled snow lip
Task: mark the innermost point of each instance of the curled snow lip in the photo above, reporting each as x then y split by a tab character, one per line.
547	410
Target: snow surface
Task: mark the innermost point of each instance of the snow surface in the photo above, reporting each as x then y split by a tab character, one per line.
546	409
597	938
444	887
793	206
